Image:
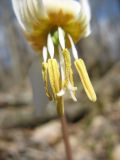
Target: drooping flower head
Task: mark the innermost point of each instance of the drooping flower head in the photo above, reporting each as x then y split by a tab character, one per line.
52	27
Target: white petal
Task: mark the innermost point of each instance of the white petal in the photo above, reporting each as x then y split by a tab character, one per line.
86	8
45	54
66	6
50	46
88	31
28	12
61	37
38	6
74	50
17	9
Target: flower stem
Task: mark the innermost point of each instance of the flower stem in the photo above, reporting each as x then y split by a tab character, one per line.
65	137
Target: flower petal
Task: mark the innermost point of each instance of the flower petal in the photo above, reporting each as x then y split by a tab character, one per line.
71	88
17	9
28	12
86	9
66	6
88	31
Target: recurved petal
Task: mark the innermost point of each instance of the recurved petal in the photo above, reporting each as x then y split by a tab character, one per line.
17	6
84	18
88	31
28	12
66	6
86	9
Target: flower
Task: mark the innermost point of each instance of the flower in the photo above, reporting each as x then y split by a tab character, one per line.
52	27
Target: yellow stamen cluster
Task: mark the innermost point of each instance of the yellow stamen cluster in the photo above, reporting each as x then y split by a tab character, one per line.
60	82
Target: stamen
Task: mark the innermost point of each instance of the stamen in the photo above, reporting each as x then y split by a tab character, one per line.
54	76
68	69
67	75
72	91
62	65
45	54
71	88
74	50
81	68
72	81
71	78
45	79
67	61
61	57
61	37
50	46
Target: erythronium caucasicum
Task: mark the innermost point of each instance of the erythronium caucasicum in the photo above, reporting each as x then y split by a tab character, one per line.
53	26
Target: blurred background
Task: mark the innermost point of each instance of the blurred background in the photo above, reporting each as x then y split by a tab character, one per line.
94	128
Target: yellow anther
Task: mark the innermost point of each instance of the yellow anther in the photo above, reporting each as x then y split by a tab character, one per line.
54	76
68	69
45	79
67	61
81	68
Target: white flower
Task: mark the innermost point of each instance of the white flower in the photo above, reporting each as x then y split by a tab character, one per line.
51	27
